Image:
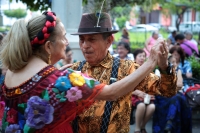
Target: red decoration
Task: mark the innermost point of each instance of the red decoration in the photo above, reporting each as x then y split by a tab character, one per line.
44	30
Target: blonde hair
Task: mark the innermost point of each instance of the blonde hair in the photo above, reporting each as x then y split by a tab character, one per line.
16	47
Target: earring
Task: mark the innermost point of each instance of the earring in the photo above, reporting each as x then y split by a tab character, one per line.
49	59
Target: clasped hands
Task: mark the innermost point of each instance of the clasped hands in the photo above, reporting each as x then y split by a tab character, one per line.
159	54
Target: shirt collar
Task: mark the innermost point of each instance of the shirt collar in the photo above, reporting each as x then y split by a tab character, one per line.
106	62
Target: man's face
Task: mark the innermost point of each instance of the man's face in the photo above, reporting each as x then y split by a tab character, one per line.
94	47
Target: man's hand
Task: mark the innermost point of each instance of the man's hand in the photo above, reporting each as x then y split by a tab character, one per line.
65	66
161	46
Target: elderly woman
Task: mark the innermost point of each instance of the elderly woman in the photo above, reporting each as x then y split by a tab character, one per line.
150	42
37	97
124	51
144	111
183	65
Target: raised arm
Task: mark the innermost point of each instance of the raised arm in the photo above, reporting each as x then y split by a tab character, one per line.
122	87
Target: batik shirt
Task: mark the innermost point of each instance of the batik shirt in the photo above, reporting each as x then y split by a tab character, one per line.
90	120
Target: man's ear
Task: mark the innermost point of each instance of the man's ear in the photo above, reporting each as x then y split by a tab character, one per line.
48	47
110	40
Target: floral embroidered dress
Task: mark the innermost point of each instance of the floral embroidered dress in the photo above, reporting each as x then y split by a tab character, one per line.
47	102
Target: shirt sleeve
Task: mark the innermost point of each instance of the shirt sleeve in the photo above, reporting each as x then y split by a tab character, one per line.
188	67
154	85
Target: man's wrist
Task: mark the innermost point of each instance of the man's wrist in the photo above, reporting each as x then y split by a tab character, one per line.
166	70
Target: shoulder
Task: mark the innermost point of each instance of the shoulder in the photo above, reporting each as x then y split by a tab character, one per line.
128	65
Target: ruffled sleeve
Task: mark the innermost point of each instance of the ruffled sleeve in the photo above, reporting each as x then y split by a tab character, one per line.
71	93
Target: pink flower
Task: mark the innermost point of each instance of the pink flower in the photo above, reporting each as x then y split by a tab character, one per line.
12	116
74	94
2	106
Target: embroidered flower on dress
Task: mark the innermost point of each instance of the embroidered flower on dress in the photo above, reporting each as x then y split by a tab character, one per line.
18	91
74	94
14	128
2	107
76	79
12	116
38	112
36	78
63	83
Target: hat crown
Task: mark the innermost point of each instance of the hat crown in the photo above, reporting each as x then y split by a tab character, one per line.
95	23
90	20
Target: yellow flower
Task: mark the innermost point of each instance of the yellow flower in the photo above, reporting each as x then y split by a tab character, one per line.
18	91
76	79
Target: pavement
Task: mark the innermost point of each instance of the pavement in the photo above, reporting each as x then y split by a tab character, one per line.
195	123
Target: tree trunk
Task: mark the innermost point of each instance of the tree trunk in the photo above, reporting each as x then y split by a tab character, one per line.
180	16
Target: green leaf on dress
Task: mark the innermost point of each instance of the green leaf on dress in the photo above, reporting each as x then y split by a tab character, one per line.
45	95
58	96
22	107
28	129
90	83
55	90
4	123
63	99
63	94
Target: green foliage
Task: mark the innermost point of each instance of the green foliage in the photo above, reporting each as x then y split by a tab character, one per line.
195	67
15	13
35	5
121	21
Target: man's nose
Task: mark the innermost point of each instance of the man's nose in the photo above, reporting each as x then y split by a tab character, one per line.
85	44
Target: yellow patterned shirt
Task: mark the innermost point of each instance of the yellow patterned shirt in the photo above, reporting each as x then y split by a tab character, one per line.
90	120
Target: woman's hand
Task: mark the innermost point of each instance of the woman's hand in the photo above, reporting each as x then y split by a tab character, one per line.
142	94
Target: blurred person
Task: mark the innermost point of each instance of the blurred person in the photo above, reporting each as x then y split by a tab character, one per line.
182	64
189	36
36	97
106	116
68	58
125	36
173	115
172	37
3	71
124	51
144	111
189	47
169	44
150	42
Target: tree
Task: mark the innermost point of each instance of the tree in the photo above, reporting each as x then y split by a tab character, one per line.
35	5
15	13
179	7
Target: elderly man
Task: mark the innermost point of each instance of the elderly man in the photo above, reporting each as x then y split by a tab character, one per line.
95	37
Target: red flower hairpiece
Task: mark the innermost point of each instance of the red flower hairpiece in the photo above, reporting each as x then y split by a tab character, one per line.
44	34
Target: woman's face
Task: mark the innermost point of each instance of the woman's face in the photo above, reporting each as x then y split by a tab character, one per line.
176	55
122	51
140	58
173	61
59	45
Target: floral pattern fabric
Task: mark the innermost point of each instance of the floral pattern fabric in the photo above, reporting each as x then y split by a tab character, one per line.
46	102
90	120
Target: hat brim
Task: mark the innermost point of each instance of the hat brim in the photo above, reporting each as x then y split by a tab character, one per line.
88	33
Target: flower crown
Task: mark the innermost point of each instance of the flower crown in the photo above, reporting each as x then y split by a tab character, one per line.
48	28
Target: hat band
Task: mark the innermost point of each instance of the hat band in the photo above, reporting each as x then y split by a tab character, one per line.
96	29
